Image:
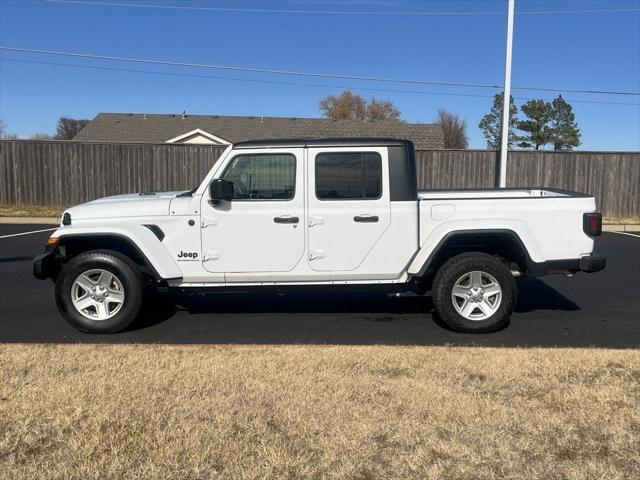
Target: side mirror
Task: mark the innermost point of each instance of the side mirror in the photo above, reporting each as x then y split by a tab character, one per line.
220	189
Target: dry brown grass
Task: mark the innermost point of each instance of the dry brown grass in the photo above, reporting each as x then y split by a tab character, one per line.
621	220
31	211
254	412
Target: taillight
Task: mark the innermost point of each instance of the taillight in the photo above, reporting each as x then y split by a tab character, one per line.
592	224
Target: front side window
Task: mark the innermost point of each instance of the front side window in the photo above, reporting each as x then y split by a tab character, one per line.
262	176
350	176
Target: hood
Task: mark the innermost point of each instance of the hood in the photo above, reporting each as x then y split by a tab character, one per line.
130	205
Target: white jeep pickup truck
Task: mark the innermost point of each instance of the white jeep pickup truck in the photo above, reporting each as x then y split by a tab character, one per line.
327	213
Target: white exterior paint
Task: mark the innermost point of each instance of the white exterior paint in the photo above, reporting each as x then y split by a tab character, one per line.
238	242
548	224
242	239
336	242
198	137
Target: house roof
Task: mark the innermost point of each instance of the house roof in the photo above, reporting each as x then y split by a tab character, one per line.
155	128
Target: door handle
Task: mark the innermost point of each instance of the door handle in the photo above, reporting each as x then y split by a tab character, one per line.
286	219
365	218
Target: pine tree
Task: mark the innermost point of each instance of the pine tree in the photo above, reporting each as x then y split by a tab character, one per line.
491	123
536	126
565	134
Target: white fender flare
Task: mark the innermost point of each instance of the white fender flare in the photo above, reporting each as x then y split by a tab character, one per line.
139	236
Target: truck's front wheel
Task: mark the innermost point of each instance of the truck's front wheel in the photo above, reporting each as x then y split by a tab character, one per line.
99	291
474	292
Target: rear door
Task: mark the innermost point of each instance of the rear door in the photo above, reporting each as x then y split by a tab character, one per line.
348	205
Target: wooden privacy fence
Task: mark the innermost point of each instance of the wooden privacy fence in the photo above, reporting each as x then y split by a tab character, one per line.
612	177
59	173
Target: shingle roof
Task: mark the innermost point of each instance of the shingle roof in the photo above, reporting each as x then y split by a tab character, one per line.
154	128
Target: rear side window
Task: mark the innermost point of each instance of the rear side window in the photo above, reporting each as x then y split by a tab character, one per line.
349	176
262	176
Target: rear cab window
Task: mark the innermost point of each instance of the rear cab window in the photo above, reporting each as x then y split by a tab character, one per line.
348	176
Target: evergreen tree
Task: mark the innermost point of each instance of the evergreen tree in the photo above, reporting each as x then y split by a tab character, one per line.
565	134
536	126
491	123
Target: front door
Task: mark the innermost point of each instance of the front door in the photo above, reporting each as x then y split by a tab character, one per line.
349	207
262	228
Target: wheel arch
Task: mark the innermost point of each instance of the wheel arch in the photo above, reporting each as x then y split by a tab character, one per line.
504	243
152	261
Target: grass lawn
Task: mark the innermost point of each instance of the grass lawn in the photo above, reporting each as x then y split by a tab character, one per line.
21	211
255	412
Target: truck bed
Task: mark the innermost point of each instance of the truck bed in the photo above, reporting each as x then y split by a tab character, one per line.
496	193
547	221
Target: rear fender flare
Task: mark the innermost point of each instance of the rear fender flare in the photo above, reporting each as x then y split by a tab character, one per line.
425	259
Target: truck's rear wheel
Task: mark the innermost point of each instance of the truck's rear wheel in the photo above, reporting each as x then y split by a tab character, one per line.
99	291
474	292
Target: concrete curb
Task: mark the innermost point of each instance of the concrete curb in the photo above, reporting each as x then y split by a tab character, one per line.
621	228
30	220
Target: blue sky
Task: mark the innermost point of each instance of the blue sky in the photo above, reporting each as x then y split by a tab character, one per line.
599	51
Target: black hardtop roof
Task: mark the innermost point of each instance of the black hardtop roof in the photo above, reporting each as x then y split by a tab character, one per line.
325	142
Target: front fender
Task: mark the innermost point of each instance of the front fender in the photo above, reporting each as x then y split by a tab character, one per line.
138	236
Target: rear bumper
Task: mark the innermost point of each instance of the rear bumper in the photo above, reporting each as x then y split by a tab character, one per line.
44	265
592	263
587	264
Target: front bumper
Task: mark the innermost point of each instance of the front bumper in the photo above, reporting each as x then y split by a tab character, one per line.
45	265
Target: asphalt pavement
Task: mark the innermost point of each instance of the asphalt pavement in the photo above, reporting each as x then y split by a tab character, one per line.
588	310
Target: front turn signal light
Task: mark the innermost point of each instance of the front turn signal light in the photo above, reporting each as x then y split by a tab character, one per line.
53	241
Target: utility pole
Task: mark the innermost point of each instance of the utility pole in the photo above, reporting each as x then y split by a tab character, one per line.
506	105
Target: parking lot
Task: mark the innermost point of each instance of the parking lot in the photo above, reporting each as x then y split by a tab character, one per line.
599	310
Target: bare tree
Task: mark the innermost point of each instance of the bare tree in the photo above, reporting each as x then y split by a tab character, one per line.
382	110
4	135
69	127
454	129
41	136
352	106
346	106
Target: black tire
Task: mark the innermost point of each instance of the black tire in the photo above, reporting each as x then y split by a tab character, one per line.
126	271
454	269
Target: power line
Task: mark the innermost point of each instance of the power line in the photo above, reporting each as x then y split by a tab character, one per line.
337	12
302	74
295	84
